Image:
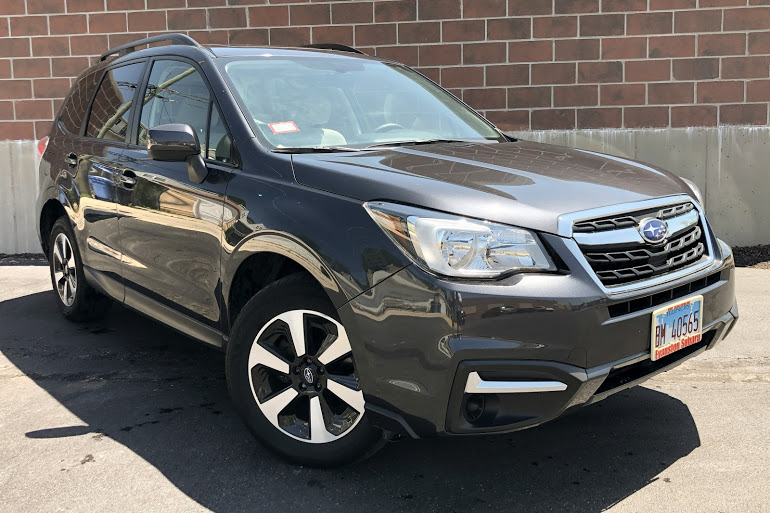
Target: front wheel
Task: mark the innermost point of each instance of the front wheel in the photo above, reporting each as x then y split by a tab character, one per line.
292	376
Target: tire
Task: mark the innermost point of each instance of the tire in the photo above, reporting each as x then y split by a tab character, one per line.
306	407
76	299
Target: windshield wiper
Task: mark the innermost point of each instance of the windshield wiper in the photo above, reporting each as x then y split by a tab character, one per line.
423	141
315	149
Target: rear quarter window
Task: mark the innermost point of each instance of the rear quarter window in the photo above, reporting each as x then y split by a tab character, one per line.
112	104
74	109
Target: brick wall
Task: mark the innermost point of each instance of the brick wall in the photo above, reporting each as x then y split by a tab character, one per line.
539	64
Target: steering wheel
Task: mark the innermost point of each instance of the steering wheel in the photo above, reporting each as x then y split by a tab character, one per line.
388	127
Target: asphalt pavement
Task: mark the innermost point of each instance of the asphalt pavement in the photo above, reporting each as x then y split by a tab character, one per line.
125	415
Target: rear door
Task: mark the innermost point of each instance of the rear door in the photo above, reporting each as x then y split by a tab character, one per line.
171	228
93	154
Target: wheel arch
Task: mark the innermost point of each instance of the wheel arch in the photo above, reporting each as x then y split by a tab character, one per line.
49	213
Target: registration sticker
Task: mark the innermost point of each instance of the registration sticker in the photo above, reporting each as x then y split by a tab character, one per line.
676	326
283	127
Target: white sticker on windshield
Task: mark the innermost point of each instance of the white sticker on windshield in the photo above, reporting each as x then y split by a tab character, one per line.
283	127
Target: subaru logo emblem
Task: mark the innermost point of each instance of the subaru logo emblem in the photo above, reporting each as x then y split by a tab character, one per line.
653	230
308	374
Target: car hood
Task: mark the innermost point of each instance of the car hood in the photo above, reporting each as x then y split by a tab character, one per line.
519	183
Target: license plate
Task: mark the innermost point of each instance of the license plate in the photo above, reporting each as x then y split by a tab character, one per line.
676	326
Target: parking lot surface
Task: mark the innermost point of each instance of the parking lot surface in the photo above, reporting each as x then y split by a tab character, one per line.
125	415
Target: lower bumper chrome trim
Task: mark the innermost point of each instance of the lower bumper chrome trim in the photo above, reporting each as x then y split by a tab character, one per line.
476	385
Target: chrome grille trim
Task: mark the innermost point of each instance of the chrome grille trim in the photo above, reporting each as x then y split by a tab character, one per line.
631	235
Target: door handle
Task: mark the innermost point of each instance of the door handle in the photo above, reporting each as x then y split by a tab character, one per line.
71	160
127	179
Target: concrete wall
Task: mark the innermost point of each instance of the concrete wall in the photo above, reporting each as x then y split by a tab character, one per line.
729	164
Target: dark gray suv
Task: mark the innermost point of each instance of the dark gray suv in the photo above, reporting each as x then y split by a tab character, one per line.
376	259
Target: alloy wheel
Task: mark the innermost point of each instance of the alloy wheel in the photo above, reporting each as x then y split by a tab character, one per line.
64	272
302	376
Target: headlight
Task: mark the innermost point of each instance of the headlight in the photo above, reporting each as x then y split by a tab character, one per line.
694	188
459	247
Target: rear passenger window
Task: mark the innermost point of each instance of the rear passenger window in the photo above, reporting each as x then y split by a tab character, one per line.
73	112
112	104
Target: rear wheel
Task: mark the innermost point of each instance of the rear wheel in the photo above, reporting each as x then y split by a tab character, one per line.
78	301
292	376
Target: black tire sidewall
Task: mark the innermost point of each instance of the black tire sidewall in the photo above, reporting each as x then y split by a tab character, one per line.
295	292
62	225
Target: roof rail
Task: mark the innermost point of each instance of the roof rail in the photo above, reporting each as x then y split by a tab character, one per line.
127	48
334	46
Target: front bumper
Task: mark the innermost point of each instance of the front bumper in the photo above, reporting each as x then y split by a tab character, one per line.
417	339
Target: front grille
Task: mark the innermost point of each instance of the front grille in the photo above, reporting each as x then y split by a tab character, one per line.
620	261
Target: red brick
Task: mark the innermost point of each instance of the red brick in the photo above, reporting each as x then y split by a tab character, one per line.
50	87
507	28
186	19
644	117
333	34
484	8
757	91
107	23
126	5
376	34
602	25
319	14
34	109
5	68
68	24
395	10
745	67
553	73
4	28
721	44
45	6
6	110
610	71
149	20
171	4
553	119
554	26
15	47
624	48
265	16
753	18
355	12
31	68
432	73
289	36
575	6
720	91
527	7
576	49
509	119
211	37
623	5
694	115
508	74
68	66
649	23
483	53
623	94
227	17
759	43
485	98
12	8
50	46
530	51
721	3
13	89
528	97
696	69
462	76
85	5
438	9
88	45
120	38
17	130
697	21
743	114
406	54
465	30
672	46
43	128
440	55
575	96
423	32
670	93
667	5
29	26
600	118
252	36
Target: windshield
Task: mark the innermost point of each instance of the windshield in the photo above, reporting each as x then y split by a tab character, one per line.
336	101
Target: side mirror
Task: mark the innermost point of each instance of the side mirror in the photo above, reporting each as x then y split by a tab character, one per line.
177	142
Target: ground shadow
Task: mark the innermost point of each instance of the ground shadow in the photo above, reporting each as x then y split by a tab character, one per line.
164	397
